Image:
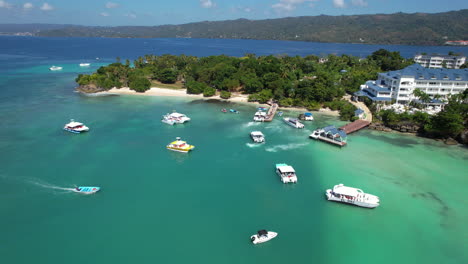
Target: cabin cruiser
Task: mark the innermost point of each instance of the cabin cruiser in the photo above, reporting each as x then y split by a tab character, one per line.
75	127
87	189
175	118
84	64
260	116
286	173
55	68
257	136
306	116
263	236
180	146
293	122
350	195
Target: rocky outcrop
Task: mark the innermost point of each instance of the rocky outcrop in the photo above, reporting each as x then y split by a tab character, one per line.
405	128
463	137
450	141
379	127
89	89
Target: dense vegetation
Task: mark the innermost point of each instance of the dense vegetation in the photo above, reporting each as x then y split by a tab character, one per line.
292	81
399	28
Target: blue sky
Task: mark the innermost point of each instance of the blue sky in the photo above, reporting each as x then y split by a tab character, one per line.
158	12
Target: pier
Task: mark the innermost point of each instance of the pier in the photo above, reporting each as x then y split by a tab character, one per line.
355	126
271	112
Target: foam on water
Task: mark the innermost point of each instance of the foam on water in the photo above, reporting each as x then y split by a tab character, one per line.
285	147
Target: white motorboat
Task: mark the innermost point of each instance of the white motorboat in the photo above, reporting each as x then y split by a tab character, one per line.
85	64
350	195
257	136
75	127
260	116
293	122
55	68
263	236
286	173
87	189
316	133
175	118
307	116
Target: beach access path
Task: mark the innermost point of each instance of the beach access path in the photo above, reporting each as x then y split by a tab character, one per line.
361	105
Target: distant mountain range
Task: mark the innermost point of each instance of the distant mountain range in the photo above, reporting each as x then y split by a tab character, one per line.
398	28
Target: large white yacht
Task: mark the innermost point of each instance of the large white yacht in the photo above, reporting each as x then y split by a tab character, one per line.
350	195
286	173
55	68
257	136
175	118
75	127
293	122
263	236
259	116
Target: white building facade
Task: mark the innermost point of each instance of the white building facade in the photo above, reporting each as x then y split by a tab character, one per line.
400	85
437	61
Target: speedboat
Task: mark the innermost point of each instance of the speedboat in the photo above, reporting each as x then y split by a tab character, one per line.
257	136
293	122
55	68
87	189
350	195
75	127
261	108
224	110
175	118
316	133
259	116
180	146
286	173
280	113
84	64
234	111
263	236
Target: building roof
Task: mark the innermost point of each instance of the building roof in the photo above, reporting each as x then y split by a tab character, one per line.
335	131
358	111
378	88
418	72
373	98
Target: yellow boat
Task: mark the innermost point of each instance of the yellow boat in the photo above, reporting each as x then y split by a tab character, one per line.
180	146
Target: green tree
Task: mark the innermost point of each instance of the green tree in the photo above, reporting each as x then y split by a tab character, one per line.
167	76
140	84
225	94
209	91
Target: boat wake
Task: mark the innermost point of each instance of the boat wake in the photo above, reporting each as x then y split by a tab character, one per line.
253	145
50	186
251	124
285	147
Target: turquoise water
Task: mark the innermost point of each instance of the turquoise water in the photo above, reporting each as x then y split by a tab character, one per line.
158	206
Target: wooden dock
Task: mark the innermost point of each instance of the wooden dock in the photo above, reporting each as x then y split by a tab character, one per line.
271	112
355	126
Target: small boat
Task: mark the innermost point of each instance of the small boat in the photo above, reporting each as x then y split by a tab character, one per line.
306	116
257	136
75	127
280	113
286	173
293	122
261	108
87	189
233	111
263	236
260	116
175	118
85	64
55	68
224	110
180	146
350	195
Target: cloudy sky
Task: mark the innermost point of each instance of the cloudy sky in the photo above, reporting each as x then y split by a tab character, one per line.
158	12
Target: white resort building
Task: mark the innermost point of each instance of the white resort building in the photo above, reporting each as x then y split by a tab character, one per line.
400	85
437	61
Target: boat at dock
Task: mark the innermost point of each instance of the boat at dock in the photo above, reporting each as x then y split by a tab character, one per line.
286	173
306	116
263	236
257	136
293	122
350	195
75	127
260	116
261	108
87	189
234	111
175	118
55	68
180	146
280	113
85	64
330	134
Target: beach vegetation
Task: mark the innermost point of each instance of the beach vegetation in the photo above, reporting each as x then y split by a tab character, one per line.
209	91
225	94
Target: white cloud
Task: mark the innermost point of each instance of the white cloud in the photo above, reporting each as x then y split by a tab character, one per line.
105	14
4	4
47	7
359	2
339	3
111	5
248	9
27	6
207	3
130	15
290	5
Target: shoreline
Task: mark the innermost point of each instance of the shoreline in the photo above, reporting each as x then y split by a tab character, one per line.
236	98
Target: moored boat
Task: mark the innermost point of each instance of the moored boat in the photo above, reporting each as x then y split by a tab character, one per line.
286	173
330	134
259	116
257	136
180	146
293	122
306	116
75	127
224	110
234	111
175	118
263	236
85	64
87	189
280	113
350	195
55	68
